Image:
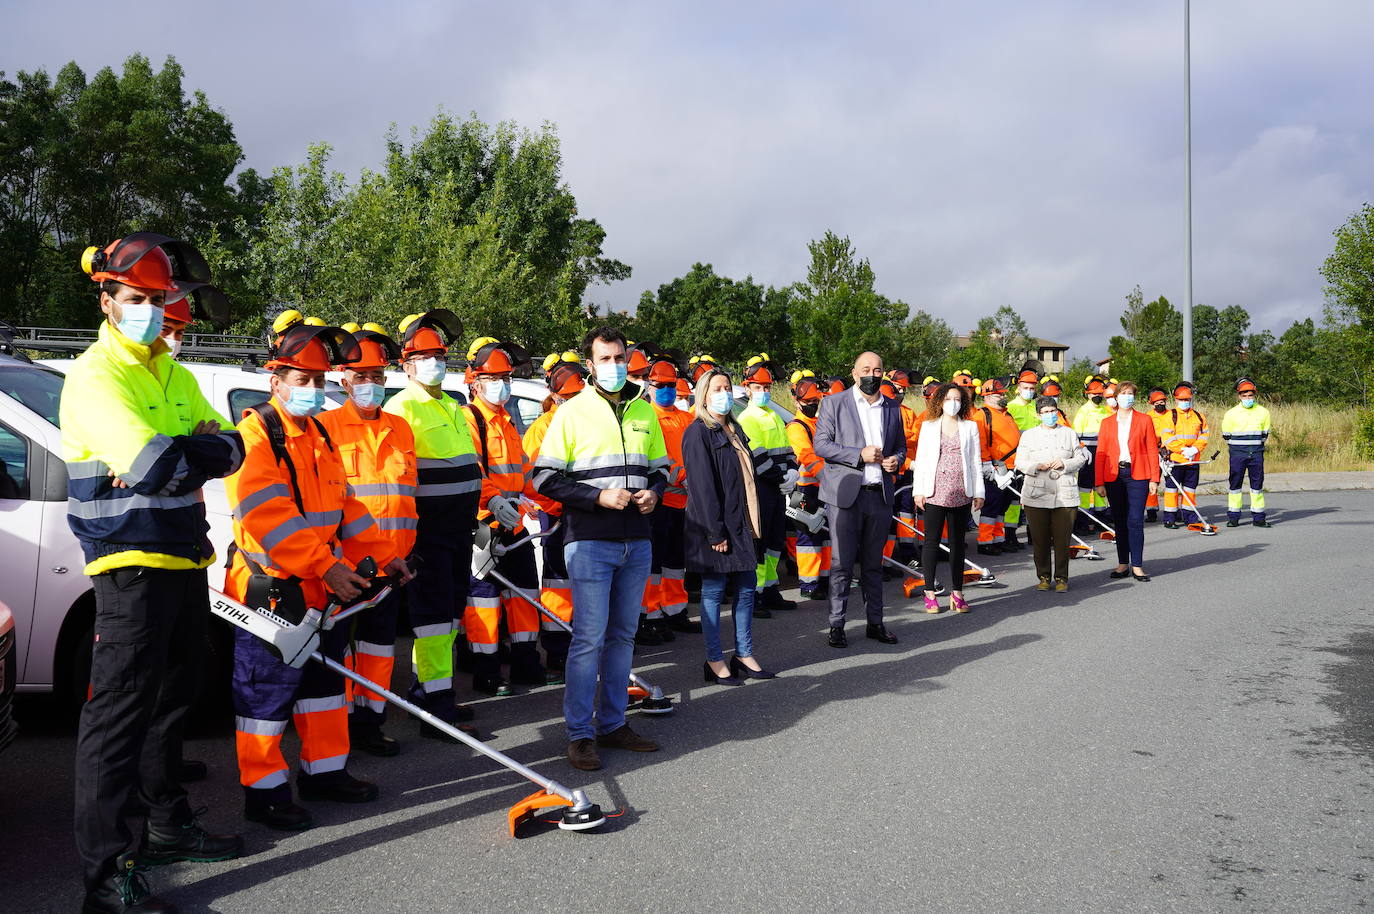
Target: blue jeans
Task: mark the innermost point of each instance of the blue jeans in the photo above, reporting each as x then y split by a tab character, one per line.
607	578
712	592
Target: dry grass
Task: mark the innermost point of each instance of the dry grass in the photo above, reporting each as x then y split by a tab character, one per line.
1306	438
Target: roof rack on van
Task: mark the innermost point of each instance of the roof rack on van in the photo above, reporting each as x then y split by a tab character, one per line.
220	346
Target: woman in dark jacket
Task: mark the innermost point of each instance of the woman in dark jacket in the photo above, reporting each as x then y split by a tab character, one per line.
722	530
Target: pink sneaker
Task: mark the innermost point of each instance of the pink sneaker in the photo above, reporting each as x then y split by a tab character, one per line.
958	603
932	605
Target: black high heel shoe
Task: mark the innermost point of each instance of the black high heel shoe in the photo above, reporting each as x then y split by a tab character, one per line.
710	676
737	668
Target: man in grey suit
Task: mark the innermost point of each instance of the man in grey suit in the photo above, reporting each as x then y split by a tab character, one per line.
859	436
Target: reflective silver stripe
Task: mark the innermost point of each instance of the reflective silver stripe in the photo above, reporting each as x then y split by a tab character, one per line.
611	461
259	498
633	483
432	489
675	490
312	705
271	780
114	507
259	727
278	534
376	650
434	630
507	468
87	469
521	637
437	685
235	442
146	457
546	462
478	648
261	558
383	488
436	463
397	523
556	583
321	765
356	526
484	602
372	704
324	518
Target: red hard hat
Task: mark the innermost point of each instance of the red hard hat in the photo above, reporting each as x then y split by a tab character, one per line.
1094	385
179	310
663	372
684	390
565	379
638	363
311	348
373	352
1028	377
150	267
994	386
807	391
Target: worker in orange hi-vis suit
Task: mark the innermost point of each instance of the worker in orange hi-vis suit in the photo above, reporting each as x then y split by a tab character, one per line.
998	435
299	532
1161	419
1184	436
665	592
813	548
378	453
505	500
904	507
565	377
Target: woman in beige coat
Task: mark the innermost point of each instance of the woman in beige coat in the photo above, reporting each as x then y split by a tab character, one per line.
1050	456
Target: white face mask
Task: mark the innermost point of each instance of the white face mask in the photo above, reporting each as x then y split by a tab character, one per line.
683	405
175	345
368	395
1027	394
496	392
430	371
1111	401
952	407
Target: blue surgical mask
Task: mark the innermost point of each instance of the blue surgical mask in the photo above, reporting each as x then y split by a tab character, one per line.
430	372
664	396
719	402
1049	420
141	323
368	395
760	398
1027	394
1183	404
304	401
610	376
496	392
1247	402
1125	401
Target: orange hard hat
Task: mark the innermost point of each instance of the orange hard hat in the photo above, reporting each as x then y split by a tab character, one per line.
179	310
1093	385
663	371
1244	385
758	370
900	377
132	261
807	390
834	385
700	364
1184	391
1051	387
375	350
1028	377
1157	395
431	330
684	390
994	386
488	355
311	348
565	379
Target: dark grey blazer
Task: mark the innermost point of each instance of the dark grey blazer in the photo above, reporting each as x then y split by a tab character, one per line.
840	438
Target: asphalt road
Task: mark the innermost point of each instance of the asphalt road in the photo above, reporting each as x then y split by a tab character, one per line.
1203	742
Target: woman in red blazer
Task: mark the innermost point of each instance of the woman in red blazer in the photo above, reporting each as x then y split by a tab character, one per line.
1126	471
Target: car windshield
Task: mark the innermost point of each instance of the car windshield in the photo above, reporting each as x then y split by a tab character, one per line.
40	389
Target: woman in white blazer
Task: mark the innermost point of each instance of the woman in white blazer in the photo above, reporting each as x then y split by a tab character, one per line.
947	485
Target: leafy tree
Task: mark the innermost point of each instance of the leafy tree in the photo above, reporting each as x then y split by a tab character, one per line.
704	312
1146	367
1219	348
838	314
468	217
84	162
1346	340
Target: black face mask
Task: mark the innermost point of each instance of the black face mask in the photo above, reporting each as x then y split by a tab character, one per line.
868	386
1160	407
809	409
1097	399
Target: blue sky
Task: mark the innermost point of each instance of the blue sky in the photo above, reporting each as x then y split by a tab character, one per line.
979	154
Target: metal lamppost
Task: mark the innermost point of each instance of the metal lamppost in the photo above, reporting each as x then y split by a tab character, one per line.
1187	194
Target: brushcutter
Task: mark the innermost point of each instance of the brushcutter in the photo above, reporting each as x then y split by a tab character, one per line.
296	643
486	550
975	575
1078	548
1166	466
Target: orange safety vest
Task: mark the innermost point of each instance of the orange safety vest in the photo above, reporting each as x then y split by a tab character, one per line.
506	468
534	440
330	525
674	422
379	460
801	434
998	433
1182	428
911	426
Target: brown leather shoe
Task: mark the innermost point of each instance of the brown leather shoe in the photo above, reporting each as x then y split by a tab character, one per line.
582	754
625	738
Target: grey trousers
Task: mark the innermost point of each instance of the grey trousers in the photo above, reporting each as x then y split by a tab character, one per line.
858	534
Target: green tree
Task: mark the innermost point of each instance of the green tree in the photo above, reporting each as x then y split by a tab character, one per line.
469	217
704	312
85	162
837	314
1146	367
1345	343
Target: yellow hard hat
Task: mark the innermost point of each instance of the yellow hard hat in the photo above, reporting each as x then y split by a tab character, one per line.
799	374
287	319
314	322
478	344
351	327
407	321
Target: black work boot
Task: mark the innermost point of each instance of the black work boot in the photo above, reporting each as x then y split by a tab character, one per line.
367	736
774	600
274	808
486	676
660	628
1011	542
186	840
646	635
125	892
681	622
337	786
